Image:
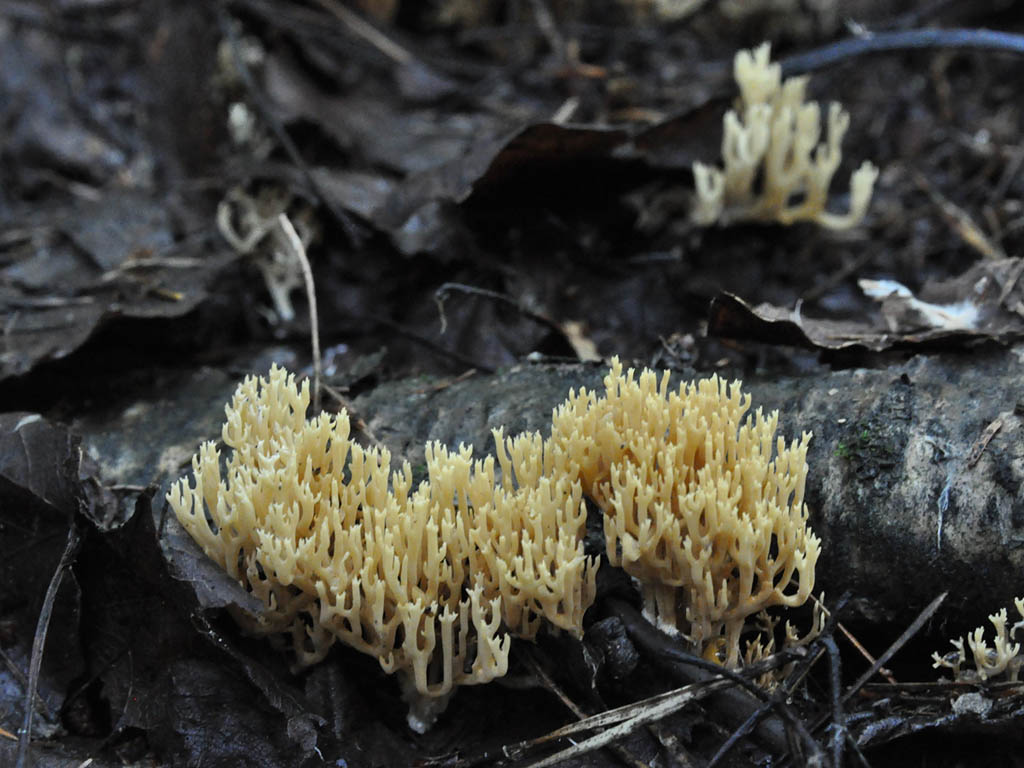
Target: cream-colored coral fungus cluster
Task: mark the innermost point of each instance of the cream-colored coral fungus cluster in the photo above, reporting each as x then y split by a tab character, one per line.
1002	658
339	546
774	167
704	509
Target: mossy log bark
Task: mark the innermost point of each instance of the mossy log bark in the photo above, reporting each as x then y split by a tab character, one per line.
904	499
916	472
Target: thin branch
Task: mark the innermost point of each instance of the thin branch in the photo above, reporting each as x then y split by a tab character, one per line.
299	253
755	718
795	679
39	642
654	640
549	28
617	723
745	729
903	40
887	674
620	750
441	296
835	686
367	31
910	631
22	678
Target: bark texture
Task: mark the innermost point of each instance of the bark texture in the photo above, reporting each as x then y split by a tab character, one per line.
906	501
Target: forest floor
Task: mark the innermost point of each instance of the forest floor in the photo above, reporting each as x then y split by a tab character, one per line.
489	200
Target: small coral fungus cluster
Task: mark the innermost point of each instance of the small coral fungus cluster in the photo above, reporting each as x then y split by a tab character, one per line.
775	169
339	546
1003	658
705	512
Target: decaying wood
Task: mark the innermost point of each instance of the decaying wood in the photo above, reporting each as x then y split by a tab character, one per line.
905	508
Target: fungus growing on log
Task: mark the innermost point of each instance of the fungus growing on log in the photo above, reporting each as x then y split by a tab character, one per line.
703	509
1002	658
697	507
774	167
337	546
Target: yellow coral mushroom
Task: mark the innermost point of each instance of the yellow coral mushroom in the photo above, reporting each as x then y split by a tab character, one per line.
337	546
698	508
774	167
704	509
1002	658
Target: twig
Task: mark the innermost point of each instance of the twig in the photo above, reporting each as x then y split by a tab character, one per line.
441	296
835	679
619	722
127	488
856	750
39	642
960	221
444	384
299	253
20	676
908	633
367	31
864	652
564	113
891	651
790	684
348	224
910	39
945	688
548	28
748	725
657	642
627	757
982	442
746	728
